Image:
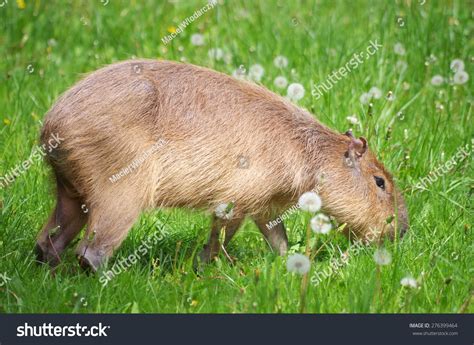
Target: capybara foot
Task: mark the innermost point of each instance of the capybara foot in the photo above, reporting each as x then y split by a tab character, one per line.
45	255
91	260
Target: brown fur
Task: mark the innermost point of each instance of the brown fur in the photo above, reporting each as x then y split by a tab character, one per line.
208	121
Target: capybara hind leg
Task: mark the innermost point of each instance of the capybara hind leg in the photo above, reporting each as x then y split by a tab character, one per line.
275	236
63	225
106	229
211	249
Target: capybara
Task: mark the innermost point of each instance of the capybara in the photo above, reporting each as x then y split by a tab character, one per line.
147	134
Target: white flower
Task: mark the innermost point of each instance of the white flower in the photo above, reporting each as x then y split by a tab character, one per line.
352	119
382	257
457	65
437	80
225	211
298	263
310	202
280	82
256	72
399	49
228	58
365	98
320	224
280	61
295	91
197	39
460	77
409	282
401	66
375	92
216	53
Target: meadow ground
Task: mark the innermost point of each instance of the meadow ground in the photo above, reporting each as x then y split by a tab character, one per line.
47	45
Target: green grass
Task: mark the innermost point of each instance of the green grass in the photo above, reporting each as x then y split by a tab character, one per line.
317	39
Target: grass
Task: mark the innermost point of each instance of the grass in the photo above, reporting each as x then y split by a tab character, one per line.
48	45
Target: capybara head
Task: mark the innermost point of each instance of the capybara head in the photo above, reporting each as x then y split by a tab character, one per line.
361	192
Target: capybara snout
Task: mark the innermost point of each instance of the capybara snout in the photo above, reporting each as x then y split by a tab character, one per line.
110	162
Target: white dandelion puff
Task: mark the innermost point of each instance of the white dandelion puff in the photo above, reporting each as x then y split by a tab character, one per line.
197	39
225	211
280	61
310	202
409	282
352	119
401	66
320	224
227	58
375	92
216	54
437	80
399	49
382	257
280	82
295	91
298	263
460	77
364	98
256	72
457	65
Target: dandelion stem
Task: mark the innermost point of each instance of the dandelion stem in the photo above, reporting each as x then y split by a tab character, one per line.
304	281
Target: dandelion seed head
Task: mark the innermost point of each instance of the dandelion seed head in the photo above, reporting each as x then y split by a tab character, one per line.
256	72
457	65
280	82
310	202
216	54
409	282
399	49
197	39
298	263
320	224
437	80
352	119
460	77
401	66
382	257
280	61
364	98
375	92
295	91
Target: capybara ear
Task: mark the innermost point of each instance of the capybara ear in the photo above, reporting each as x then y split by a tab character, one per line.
355	149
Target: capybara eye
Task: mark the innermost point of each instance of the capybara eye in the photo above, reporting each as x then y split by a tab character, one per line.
380	182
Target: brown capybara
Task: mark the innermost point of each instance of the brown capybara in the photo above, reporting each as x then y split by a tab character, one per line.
145	134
